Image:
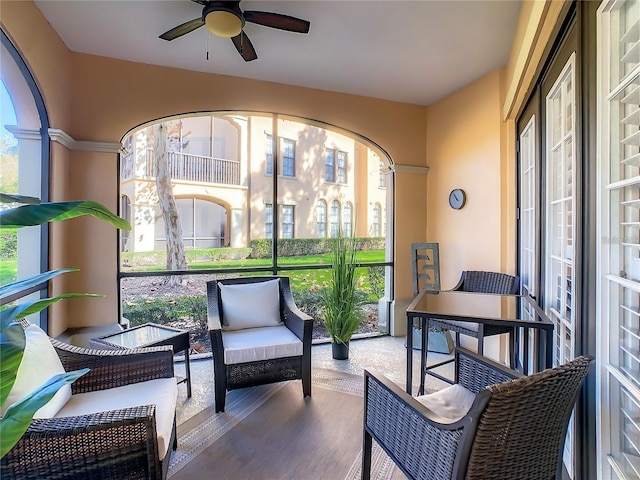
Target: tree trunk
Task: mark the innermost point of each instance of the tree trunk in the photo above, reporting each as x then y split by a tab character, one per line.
176	259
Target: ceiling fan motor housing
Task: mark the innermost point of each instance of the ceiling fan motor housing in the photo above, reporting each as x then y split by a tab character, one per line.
223	19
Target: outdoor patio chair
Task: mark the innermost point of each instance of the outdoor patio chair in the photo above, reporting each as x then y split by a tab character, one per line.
116	421
258	335
493	423
481	282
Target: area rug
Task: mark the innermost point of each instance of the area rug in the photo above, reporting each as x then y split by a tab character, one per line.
271	432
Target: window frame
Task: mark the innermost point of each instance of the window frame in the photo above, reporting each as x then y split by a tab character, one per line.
288	161
288	221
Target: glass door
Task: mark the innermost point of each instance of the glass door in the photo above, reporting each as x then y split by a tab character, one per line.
618	322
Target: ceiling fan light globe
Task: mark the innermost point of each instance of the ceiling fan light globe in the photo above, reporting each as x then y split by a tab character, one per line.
223	23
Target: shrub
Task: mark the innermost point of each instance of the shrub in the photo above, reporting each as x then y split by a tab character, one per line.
291	247
8	245
167	310
375	276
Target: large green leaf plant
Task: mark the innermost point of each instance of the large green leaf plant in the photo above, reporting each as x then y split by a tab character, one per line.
31	212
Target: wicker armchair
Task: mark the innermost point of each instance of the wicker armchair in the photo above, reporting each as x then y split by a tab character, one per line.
112	444
513	429
488	282
230	375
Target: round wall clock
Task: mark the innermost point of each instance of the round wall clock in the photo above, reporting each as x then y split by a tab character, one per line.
457	198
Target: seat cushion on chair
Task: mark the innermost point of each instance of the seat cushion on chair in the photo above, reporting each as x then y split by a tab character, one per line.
466	325
452	402
39	363
256	344
161	392
250	305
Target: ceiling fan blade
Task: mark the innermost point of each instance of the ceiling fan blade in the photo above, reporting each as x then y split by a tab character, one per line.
183	29
277	20
244	47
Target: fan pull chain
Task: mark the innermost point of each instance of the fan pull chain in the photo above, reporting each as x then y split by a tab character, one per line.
207	46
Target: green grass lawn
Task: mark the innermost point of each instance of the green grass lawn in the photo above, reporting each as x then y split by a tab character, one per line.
8	271
325	259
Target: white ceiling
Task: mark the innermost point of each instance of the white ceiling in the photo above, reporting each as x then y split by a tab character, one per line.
407	51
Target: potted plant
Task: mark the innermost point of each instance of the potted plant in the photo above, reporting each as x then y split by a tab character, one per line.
12	337
342	314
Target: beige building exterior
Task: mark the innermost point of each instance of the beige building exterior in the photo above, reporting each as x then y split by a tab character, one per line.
222	169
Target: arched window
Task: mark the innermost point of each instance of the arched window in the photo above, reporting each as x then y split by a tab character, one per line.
321	219
24	156
203	224
335	219
347	219
237	197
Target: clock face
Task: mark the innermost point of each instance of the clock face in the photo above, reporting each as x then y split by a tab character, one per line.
457	198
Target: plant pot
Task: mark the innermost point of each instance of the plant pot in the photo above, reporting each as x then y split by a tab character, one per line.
340	351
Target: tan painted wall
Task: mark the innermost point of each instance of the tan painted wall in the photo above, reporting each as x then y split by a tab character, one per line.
99	99
463	151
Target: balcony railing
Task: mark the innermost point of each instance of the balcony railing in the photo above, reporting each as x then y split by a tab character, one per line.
190	168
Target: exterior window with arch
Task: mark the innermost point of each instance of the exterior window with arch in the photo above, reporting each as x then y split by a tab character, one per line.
321	219
203	224
377	214
347	219
382	181
335	219
229	206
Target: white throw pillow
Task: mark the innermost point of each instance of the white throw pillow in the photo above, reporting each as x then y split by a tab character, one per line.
452	402
39	363
250	305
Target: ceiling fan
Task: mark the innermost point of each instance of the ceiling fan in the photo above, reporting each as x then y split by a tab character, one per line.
226	19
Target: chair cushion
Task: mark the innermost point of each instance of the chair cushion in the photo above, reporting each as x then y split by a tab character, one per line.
467	325
256	344
161	392
452	402
250	305
39	363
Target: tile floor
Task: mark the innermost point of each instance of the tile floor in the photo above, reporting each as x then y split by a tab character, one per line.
386	354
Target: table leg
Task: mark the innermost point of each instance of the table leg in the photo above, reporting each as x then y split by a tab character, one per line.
424	342
187	369
409	353
549	349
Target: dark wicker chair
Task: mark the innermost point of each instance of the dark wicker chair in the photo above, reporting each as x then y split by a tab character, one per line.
249	374
481	282
513	430
112	444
